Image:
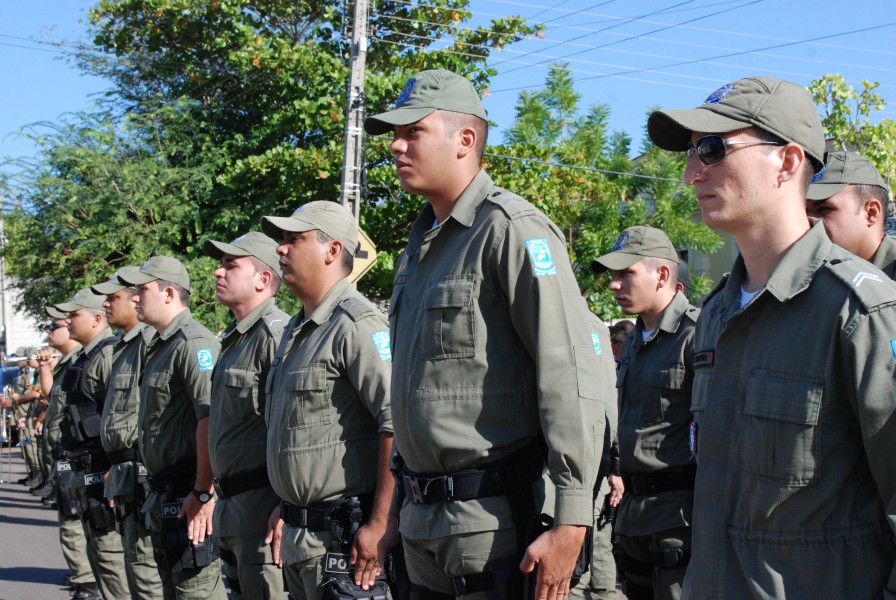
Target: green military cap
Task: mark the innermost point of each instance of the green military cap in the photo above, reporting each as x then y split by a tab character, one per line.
684	276
781	108
54	312
83	299
253	243
166	268
425	93
333	219
843	168
114	284
632	245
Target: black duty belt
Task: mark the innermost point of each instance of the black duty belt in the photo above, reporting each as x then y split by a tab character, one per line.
181	474
117	457
462	485
667	480
318	516
227	487
97	460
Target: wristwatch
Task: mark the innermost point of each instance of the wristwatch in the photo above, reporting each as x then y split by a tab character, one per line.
202	496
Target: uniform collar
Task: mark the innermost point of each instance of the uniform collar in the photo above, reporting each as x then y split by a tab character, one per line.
249	320
793	274
670	320
132	333
885	256
464	210
107	332
74	351
323	311
179	320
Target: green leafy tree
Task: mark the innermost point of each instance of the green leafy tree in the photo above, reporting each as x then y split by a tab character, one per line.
578	171
847	118
220	112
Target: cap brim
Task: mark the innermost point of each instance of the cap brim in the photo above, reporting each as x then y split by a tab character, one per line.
615	261
138	278
672	129
106	288
822	191
275	227
219	249
385	122
68	307
55	312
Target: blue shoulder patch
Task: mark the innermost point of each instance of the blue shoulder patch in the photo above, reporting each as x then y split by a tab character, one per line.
597	349
893	347
540	255
382	344
205	359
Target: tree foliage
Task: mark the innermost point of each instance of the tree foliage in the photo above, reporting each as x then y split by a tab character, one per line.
569	163
847	118
220	112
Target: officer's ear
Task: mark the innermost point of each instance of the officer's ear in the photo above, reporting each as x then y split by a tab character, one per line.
334	251
663	276
265	277
874	212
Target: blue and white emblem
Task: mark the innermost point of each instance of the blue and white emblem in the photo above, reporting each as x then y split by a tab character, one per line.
596	340
540	255
205	359
621	241
405	92
382	344
893	347
716	96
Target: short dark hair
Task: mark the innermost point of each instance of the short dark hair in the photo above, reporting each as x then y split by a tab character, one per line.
808	166
455	120
348	259
260	265
182	294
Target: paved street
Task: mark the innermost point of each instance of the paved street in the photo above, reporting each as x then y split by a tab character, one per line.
31	563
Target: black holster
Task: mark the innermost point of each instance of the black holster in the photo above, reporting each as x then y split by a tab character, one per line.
338	582
68	481
98	514
177	551
80	426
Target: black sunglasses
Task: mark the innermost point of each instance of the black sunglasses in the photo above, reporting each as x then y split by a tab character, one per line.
55	326
711	149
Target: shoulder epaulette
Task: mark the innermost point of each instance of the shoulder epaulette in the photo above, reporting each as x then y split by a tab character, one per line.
192	331
357	308
512	204
867	283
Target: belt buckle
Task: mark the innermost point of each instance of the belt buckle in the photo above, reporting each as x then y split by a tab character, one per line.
416	493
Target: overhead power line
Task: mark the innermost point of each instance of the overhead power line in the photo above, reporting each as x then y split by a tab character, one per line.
551	163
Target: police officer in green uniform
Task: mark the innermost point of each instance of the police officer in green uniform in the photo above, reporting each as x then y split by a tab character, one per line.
852	200
175	392
794	358
654	383
494	372
25	403
125	483
247	283
601	580
84	385
328	416
72	535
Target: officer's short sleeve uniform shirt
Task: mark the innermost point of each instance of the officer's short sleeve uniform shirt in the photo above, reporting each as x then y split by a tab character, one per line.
491	350
175	391
237	434
794	400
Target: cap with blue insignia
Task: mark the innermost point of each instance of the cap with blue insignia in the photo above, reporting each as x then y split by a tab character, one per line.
425	93
114	283
333	219
632	245
781	108
166	268
254	244
843	168
83	299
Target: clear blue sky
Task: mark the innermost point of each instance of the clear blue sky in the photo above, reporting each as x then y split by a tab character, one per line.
629	54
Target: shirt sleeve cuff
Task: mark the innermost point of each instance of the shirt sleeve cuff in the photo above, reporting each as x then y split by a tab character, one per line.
574	507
